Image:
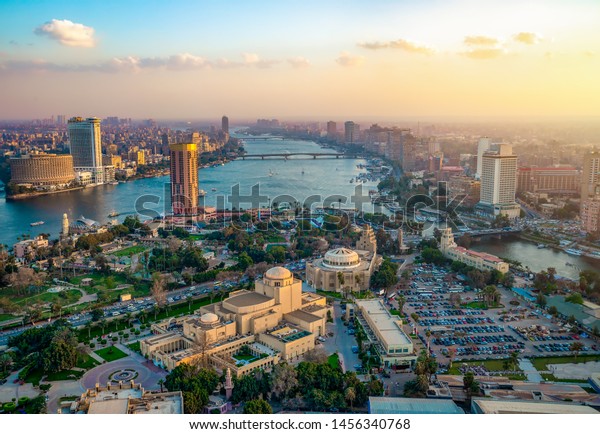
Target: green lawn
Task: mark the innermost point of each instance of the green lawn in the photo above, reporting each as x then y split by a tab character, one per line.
110	354
34	376
6	316
334	360
86	362
395	312
64	375
69	398
129	251
490	365
330	294
65	297
541	363
480	305
551	377
135	347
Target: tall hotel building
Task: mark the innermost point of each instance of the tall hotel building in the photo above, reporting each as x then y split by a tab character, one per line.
499	183
225	124
590	177
86	147
351	132
484	145
184	178
590	192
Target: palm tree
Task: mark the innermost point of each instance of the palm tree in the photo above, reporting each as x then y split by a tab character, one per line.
5	362
350	395
428	334
401	300
514	359
161	383
102	323
189	300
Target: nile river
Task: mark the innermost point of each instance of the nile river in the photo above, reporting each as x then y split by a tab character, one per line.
298	178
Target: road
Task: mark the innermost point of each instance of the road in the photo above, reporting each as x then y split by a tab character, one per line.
341	342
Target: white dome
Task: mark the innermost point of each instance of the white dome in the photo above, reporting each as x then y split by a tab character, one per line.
209	318
341	258
278	273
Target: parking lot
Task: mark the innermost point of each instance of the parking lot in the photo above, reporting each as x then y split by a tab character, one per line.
442	303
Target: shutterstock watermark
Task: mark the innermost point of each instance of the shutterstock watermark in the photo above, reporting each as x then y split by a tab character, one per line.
333	212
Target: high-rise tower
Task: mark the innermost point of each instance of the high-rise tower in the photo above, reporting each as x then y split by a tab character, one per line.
86	146
184	178
225	124
499	182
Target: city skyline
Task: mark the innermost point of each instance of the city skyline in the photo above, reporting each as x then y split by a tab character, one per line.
387	60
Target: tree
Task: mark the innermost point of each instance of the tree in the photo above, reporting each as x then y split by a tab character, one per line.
541	300
552	310
158	290
161	383
576	347
257	406
350	395
6	362
97	313
285	380
469	384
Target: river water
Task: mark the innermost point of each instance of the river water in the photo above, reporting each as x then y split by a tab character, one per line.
528	254
302	179
296	177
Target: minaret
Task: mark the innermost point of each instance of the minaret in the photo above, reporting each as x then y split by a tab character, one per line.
228	384
65	226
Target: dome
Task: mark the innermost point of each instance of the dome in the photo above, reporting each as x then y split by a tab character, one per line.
278	273
341	258
209	318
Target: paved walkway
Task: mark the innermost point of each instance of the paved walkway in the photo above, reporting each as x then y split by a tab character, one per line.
529	370
10	389
148	374
60	389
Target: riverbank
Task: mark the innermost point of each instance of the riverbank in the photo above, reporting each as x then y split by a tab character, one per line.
24	196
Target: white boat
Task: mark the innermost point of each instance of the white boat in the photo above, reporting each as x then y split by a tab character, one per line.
114	183
201	193
541	246
213	189
37	223
113	213
574	252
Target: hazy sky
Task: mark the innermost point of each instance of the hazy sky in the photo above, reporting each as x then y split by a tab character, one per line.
202	59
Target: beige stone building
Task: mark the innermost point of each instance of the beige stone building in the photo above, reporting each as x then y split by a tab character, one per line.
42	169
343	269
480	260
247	331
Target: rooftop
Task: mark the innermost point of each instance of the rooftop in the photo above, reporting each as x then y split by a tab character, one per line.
247	299
385	405
517	406
388	325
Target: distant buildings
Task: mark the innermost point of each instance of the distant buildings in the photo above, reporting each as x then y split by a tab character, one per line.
86	147
499	183
481	261
552	180
465	190
225	124
351	132
42	169
331	130
25	248
590	177
590	215
484	145
184	178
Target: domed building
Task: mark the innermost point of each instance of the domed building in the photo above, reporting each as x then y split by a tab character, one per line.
274	321
343	269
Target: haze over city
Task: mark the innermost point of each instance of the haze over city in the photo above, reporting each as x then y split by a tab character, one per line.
383	59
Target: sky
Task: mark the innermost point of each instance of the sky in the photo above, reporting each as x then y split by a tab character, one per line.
309	59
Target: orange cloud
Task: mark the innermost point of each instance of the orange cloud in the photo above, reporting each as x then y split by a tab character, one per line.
399	44
349	60
480	40
526	38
